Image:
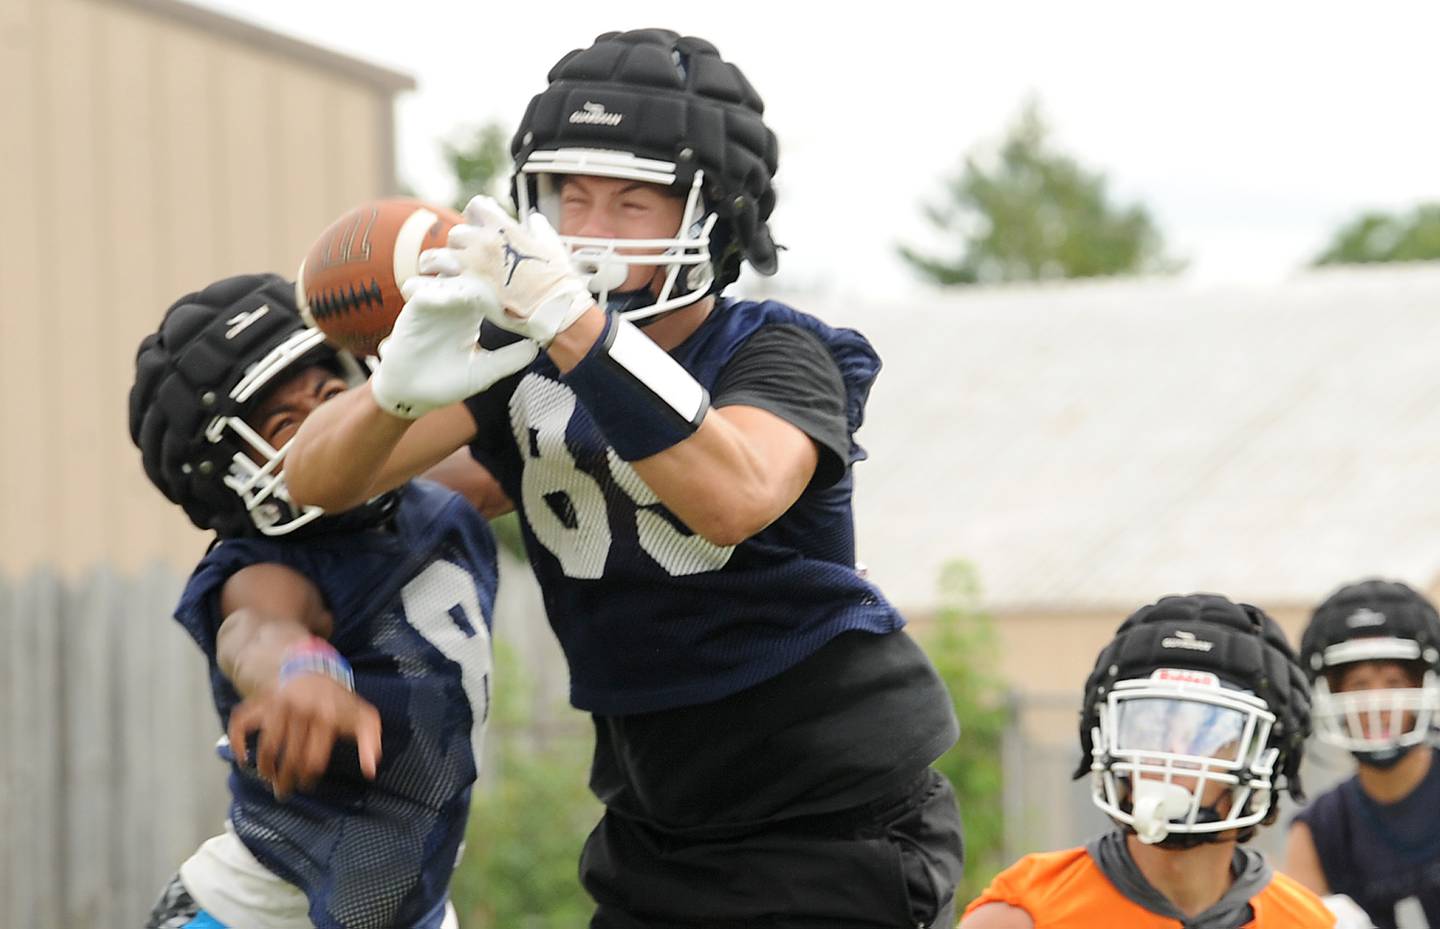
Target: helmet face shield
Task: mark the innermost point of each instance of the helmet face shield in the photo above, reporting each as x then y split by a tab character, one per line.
684	256
1179	753
1193	731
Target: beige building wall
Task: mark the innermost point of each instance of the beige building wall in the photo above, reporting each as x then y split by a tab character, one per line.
147	148
1046	655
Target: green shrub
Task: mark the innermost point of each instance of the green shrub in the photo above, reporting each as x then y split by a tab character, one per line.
529	819
962	643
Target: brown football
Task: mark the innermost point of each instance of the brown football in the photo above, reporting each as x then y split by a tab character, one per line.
349	283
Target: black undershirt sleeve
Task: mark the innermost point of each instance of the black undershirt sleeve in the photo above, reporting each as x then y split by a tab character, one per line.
788	371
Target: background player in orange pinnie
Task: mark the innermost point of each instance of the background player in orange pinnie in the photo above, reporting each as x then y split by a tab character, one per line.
1193	718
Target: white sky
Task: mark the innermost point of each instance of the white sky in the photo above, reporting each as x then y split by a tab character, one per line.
1250	129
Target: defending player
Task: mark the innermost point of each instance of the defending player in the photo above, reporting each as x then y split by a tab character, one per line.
1194	716
764	727
1373	651
351	648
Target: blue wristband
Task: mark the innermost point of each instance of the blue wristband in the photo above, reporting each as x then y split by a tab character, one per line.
316	656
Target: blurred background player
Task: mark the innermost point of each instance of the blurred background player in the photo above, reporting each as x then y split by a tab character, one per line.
1372	650
1193	717
355	644
764	728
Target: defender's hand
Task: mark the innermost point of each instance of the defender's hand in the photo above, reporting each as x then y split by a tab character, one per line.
526	264
431	358
299	723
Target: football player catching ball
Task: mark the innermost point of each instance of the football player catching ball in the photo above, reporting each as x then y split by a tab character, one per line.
682	465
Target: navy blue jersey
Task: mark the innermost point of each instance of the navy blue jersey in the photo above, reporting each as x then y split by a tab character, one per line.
411	607
652	616
1386	857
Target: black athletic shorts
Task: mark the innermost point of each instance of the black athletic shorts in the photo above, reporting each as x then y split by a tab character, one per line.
892	863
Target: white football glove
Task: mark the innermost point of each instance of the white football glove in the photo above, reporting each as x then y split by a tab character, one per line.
526	263
431	358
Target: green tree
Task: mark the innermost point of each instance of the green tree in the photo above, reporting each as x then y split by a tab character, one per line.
964	648
1376	236
1030	212
479	157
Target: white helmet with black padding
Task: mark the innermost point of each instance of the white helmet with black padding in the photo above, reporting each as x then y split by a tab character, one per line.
1194	715
1374	620
650	105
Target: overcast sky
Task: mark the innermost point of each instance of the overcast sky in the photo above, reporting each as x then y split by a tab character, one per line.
1250	129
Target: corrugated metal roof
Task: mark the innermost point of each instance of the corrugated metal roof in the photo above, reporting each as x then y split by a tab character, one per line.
239	30
1100	444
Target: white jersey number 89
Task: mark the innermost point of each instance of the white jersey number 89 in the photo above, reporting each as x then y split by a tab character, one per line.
566	508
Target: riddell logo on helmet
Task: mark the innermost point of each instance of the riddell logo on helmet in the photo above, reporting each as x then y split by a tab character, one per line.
1185	676
595	114
1365	617
1187	640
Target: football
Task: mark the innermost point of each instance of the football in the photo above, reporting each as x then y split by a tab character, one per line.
348	284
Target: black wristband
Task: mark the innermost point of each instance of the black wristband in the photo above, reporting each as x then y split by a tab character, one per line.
641	398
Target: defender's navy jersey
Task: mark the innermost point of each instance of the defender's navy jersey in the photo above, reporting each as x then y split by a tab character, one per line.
652	616
1385	857
411	608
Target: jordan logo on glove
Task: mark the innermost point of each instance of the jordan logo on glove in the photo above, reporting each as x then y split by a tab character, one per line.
513	257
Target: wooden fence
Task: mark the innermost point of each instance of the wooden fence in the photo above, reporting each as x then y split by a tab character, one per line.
108	776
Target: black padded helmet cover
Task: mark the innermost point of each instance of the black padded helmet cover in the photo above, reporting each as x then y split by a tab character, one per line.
1371	608
184	375
656	94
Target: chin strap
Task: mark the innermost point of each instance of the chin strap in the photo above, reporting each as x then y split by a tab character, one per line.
620	302
1384	759
1179	841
